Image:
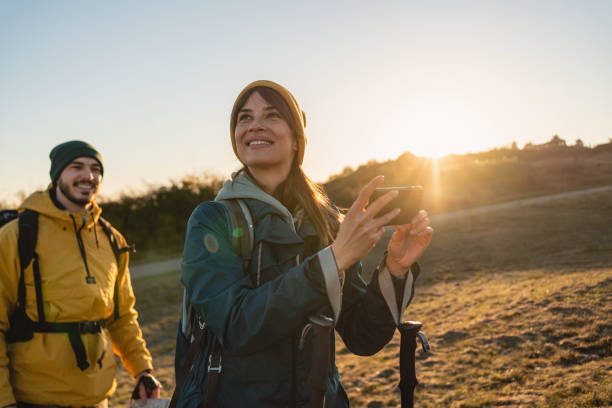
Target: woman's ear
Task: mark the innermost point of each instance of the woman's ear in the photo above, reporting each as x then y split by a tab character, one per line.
294	145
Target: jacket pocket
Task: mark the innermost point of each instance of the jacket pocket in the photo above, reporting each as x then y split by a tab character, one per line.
270	365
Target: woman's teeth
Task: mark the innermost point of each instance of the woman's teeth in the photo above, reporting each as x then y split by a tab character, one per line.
259	142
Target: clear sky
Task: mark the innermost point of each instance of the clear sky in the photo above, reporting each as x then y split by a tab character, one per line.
151	83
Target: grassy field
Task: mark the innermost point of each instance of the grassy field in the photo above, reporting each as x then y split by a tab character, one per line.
513	339
516	305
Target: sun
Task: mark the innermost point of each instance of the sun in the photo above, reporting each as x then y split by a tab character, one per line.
437	126
435	152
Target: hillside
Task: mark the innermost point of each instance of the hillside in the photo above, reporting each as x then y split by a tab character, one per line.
156	221
516	304
465	181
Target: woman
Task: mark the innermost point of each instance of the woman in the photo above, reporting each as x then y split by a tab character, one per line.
305	265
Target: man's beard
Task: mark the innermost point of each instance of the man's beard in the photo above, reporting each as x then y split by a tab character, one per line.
82	202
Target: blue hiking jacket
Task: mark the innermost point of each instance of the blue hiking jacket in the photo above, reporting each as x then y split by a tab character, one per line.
259	313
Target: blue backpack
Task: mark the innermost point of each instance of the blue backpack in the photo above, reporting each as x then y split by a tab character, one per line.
191	326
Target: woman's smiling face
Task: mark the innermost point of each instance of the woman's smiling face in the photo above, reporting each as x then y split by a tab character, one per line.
263	138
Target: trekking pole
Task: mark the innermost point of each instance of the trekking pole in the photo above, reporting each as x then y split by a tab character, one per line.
409	332
317	378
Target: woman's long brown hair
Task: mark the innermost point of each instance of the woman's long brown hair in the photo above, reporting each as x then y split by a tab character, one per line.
298	190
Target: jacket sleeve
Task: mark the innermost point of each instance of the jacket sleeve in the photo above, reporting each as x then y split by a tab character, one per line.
9	277
365	323
245	318
125	332
369	316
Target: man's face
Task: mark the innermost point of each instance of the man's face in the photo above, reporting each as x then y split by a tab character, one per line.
80	181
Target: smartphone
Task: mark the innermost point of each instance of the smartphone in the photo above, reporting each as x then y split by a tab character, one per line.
409	201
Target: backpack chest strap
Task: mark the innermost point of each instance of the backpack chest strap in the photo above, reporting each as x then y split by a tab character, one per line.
74	331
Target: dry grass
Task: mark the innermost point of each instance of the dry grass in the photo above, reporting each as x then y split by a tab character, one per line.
516	305
515	339
158	303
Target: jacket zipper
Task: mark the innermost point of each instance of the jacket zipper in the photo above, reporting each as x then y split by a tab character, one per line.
95	227
89	279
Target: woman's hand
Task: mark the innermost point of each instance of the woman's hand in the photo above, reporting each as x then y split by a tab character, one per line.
360	231
408	243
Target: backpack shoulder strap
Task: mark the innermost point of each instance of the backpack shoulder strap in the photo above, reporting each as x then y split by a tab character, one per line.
20	324
28	235
114	243
112	238
242	233
26	244
242	229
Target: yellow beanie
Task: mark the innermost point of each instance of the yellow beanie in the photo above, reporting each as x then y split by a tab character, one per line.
299	117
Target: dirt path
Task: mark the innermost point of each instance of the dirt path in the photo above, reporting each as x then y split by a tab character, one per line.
516	203
155	268
171	265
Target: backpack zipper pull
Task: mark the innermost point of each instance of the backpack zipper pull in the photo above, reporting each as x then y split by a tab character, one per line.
305	331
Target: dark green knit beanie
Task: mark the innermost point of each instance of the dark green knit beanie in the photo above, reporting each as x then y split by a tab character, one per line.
64	153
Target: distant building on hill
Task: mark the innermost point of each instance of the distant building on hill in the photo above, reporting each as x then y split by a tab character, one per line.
555	143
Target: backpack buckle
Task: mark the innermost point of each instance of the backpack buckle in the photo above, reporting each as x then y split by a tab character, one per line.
212	369
86	327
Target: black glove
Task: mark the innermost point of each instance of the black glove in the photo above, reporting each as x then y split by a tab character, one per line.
149	382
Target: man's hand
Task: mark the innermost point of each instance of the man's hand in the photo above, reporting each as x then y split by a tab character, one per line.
147	386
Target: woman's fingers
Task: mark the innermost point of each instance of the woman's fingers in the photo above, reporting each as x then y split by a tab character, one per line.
385	219
360	231
398	235
364	195
380	203
426	231
376	235
401	231
418	228
419	216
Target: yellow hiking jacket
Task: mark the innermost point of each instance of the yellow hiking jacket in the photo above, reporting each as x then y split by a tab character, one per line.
43	370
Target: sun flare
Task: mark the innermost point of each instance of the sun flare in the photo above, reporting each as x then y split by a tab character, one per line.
439	125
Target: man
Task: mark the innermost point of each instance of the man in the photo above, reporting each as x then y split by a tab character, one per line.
78	305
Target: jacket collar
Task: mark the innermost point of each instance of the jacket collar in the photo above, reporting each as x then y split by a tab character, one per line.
41	202
275	222
243	187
